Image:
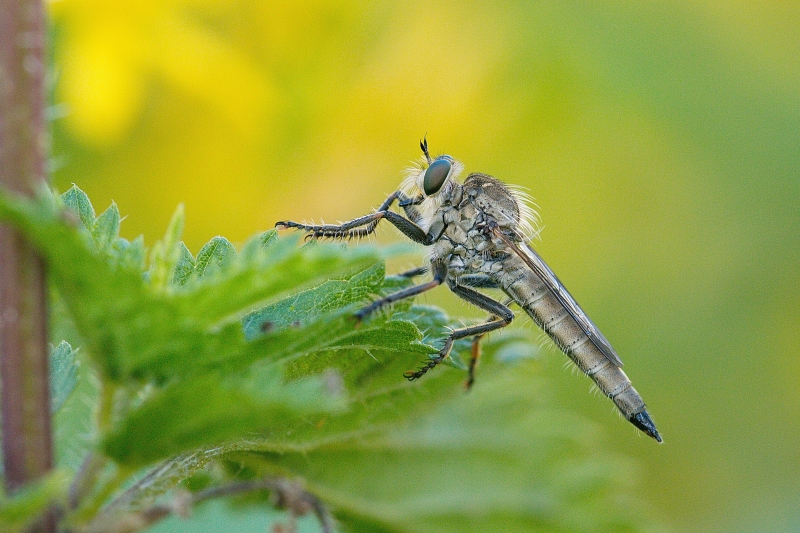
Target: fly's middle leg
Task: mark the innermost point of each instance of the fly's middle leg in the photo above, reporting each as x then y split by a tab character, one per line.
439	274
477	281
502	317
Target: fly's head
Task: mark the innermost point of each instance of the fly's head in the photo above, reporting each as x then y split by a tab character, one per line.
436	175
432	181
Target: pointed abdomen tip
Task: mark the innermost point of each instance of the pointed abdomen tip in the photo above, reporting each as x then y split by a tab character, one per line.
645	423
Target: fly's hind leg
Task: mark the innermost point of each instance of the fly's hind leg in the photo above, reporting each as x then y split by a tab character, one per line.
475	353
474	356
501	317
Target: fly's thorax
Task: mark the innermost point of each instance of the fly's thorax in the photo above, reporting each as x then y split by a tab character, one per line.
469	244
492	198
442	251
462	215
460	221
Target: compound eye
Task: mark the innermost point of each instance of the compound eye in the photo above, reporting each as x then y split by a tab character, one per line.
435	176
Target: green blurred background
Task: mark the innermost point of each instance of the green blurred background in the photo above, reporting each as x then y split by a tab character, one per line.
661	141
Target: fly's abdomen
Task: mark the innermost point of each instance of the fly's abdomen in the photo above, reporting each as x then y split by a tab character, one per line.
530	293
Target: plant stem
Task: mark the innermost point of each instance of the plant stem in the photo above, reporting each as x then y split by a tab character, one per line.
288	495
90	509
94	463
86	483
27	441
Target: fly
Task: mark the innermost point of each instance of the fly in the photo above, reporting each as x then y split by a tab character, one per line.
478	232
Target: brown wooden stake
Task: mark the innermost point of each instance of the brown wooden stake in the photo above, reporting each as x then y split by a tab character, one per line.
25	407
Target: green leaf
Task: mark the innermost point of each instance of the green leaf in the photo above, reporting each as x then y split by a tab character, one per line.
306	339
501	458
258	243
299	388
134	333
427	457
166	252
76	200
215	255
207	410
27	504
106	228
129	255
63	374
264	273
184	268
306	306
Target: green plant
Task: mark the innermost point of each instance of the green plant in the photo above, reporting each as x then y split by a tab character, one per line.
244	374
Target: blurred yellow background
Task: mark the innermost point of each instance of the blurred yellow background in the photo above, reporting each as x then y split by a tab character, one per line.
660	140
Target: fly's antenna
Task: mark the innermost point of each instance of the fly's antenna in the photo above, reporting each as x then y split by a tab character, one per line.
424	145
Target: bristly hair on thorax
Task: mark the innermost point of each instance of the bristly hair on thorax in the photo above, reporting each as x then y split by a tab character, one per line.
528	227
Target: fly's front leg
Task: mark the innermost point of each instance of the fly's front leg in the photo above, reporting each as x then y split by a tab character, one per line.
358	227
503	317
409	206
364	226
439	274
413	273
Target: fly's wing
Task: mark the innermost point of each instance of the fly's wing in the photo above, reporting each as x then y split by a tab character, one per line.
543	272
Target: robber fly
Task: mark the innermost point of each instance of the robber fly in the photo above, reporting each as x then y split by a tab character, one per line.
478	232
